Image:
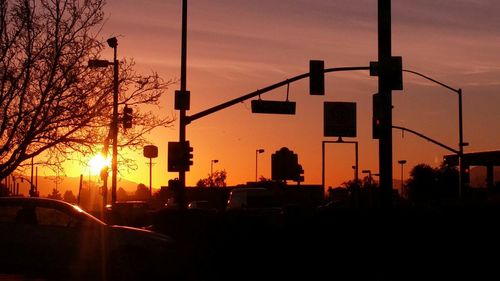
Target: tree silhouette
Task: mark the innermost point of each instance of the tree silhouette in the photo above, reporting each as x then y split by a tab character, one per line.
447	181
422	185
142	192
121	194
217	179
51	103
69	196
55	194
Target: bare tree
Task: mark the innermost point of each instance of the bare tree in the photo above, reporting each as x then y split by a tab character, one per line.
51	103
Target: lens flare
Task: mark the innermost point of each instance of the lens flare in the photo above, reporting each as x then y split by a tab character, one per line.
98	162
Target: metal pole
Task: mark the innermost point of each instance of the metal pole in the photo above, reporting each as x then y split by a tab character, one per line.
150	177
79	189
356	177
256	163
402	178
323	165
32	187
182	114
385	141
460	145
114	161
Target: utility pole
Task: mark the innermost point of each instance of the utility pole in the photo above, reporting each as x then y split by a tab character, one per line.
385	91
181	197
113	43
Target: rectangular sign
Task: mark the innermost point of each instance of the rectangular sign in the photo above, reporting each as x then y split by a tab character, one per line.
273	107
339	119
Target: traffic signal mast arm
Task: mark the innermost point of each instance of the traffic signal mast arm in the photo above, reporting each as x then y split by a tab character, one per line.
265	90
427	138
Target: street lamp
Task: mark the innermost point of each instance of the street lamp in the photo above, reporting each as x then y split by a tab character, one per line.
402	162
369	172
112	43
461	142
257	152
212	162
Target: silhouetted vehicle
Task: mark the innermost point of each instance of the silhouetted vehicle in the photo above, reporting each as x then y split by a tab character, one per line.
53	239
203	205
129	213
253	208
171	204
252	198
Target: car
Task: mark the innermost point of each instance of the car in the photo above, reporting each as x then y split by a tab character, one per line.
129	213
252	198
198	204
46	238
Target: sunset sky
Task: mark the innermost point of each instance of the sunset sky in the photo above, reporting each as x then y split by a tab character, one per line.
238	46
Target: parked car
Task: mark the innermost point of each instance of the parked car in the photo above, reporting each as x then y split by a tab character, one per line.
252	198
202	205
129	213
53	239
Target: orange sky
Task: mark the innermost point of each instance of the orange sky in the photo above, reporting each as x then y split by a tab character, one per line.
238	46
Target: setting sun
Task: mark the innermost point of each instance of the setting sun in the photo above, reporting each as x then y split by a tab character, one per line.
98	162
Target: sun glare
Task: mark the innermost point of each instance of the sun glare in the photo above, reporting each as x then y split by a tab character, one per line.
97	163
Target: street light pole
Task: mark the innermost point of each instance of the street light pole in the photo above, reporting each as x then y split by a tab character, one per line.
181	196
257	152
461	142
369	172
212	171
385	91
402	162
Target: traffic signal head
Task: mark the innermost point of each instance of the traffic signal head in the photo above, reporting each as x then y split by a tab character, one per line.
393	70
188	160
180	156
127	117
174	156
316	77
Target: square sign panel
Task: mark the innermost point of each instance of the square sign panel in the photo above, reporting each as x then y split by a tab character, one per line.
339	119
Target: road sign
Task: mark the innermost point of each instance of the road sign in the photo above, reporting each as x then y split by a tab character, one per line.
273	107
339	119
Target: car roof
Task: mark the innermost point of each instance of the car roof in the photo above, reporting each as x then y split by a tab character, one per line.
39	201
34	200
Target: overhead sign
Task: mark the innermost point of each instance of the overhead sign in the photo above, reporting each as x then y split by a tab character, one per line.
273	107
339	119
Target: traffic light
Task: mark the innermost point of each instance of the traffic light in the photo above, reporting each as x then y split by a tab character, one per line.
396	72
180	156
174	156
127	117
376	118
393	70
188	155
317	77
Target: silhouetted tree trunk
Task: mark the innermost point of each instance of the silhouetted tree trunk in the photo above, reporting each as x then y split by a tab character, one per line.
51	103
